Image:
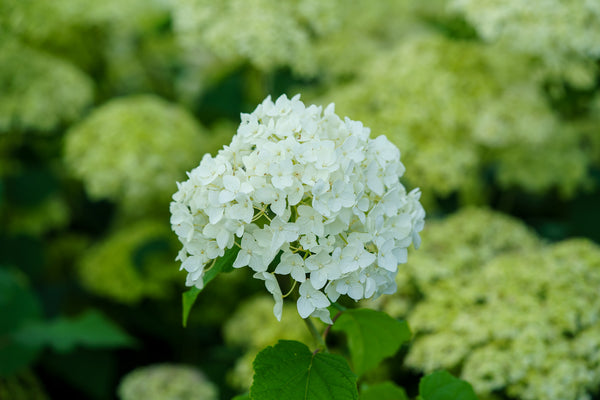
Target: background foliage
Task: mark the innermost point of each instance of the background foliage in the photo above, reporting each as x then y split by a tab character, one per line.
495	106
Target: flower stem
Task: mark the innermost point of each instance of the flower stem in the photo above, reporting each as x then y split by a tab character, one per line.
315	334
329	326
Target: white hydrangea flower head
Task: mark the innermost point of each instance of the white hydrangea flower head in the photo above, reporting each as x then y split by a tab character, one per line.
303	194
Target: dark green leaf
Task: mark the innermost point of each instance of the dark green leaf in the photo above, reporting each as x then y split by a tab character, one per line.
290	371
223	264
372	336
91	330
19	307
382	391
441	385
17	302
245	396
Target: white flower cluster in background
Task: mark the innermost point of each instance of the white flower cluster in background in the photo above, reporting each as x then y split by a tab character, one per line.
302	193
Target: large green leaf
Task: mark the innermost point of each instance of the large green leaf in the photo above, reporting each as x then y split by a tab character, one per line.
382	391
441	385
372	336
289	370
223	264
91	330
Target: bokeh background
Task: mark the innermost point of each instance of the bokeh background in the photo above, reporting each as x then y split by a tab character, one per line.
104	105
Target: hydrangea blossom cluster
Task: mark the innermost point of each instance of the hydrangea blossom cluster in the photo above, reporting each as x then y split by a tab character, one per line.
563	34
512	121
512	315
305	194
166	382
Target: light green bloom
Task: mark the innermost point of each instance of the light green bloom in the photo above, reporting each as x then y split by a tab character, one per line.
39	91
524	323
166	382
51	213
330	38
459	108
563	34
133	150
126	45
482	235
133	263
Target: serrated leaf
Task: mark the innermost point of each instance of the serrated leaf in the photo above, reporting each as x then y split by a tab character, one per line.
222	264
372	336
91	330
289	370
441	385
382	391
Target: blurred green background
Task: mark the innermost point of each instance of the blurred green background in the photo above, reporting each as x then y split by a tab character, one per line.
104	105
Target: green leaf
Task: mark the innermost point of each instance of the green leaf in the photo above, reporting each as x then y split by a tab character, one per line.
382	391
91	330
188	299
19	307
222	264
17	301
289	370
372	336
245	396
441	385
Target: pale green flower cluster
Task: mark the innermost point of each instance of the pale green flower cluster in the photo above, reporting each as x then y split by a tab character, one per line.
524	323
460	108
132	263
51	213
125	44
253	328
132	150
166	382
29	78
55	22
592	129
317	33
484	235
563	35
508	313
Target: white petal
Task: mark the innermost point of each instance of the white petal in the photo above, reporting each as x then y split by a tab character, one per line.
298	274
225	196
305	307
242	259
323	314
319	300
318	279
356	291
231	183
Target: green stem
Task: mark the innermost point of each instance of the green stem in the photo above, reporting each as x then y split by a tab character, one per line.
315	334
